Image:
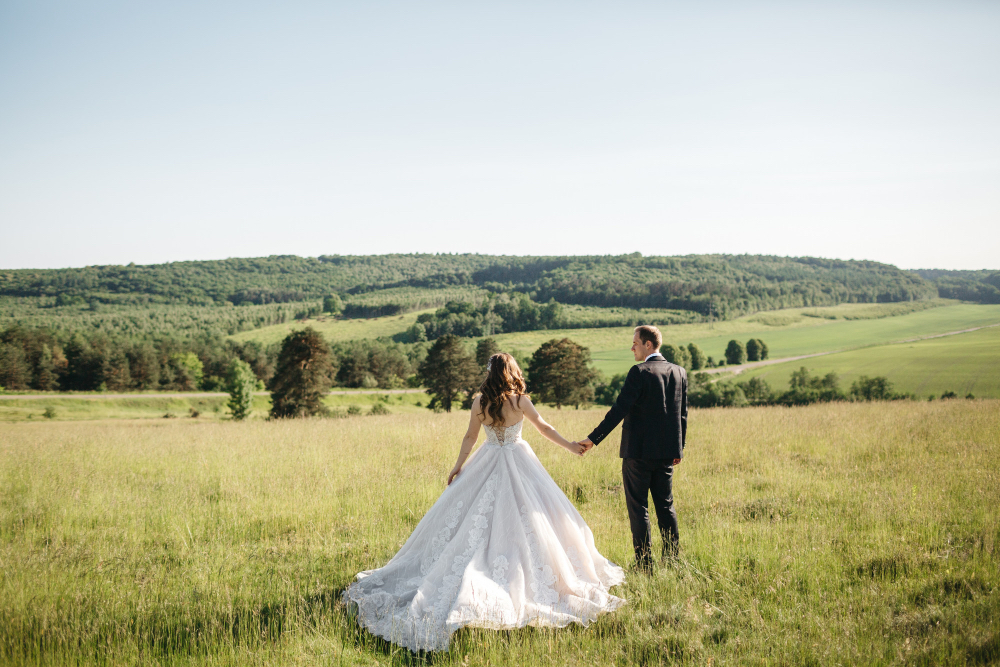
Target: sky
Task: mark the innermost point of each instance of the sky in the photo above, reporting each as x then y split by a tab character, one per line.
156	132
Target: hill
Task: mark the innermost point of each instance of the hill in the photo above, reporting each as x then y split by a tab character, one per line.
721	286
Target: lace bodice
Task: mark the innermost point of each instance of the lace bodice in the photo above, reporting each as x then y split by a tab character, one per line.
504	436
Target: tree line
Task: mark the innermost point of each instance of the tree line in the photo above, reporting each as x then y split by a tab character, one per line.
46	360
803	389
714	285
558	373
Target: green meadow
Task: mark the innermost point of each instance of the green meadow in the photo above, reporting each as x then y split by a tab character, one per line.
965	363
826	535
797	332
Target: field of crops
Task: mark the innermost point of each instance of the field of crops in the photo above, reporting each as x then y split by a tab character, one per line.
831	534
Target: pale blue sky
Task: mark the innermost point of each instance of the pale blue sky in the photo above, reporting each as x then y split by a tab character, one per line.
153	132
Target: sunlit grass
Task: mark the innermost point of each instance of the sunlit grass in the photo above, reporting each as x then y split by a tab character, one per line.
850	534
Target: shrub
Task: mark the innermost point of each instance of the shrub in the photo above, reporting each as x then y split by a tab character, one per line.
379	409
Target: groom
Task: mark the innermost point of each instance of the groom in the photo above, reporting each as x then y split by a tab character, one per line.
653	403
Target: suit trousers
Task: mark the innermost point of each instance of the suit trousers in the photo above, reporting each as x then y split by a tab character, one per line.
640	478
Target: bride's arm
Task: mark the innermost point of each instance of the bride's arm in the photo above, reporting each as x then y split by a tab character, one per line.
531	414
468	442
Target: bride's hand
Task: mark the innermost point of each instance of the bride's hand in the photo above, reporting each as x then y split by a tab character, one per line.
453	474
576	448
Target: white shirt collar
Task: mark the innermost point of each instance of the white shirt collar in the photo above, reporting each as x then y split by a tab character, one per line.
655	354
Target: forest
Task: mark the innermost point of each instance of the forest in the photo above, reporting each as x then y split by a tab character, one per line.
165	326
723	286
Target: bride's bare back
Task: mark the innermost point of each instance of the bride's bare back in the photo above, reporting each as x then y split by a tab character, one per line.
513	411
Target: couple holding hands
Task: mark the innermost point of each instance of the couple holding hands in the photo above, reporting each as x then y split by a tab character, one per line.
503	547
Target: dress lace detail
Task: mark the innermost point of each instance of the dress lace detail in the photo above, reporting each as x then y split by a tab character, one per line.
501	548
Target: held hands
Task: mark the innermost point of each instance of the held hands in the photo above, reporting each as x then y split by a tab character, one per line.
581	447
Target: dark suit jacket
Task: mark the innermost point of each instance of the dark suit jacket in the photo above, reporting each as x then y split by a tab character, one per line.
653	403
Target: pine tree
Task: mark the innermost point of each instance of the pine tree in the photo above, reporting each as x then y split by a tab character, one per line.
302	376
448	371
485	349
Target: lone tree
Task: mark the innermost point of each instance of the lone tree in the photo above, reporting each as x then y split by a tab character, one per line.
240	383
698	359
736	353
448	372
560	373
302	376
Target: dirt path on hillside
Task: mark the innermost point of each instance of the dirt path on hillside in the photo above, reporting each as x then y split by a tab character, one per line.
736	370
192	394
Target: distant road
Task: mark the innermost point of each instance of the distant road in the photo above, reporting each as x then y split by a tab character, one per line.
190	394
736	370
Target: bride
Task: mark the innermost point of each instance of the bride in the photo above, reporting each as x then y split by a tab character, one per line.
501	548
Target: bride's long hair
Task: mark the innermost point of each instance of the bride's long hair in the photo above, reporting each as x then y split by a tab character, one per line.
504	381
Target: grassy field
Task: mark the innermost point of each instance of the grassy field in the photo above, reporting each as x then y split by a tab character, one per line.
965	363
788	332
182	406
832	534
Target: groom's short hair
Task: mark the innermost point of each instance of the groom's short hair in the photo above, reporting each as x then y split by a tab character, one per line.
650	334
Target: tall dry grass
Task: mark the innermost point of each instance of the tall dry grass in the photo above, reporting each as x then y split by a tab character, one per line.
850	534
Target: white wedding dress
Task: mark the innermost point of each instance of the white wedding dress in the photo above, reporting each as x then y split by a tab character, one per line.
503	547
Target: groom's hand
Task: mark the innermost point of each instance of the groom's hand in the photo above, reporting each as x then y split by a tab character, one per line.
587	444
677	462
